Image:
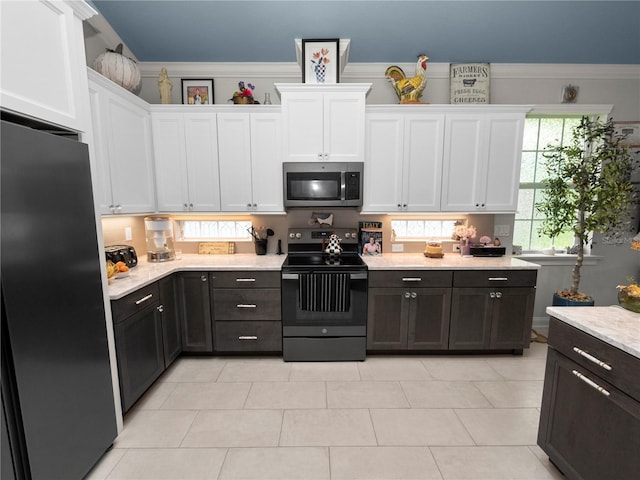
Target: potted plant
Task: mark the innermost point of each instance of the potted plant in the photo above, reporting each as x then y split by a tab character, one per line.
587	189
244	94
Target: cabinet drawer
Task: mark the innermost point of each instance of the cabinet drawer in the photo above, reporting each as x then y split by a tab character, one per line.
135	302
245	304
588	351
410	278
495	278
248	336
246	279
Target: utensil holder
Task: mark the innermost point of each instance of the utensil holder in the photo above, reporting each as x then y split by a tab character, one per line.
261	247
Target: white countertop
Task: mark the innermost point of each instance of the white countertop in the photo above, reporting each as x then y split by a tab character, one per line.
453	261
614	324
146	272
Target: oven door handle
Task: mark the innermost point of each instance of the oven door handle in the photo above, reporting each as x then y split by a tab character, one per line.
353	276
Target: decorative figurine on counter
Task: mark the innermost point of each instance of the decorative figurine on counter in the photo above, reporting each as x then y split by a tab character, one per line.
164	86
334	248
409	90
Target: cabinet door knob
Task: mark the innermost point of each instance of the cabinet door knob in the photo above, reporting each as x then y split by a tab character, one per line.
190	206
399	207
160	308
407	295
203	278
255	206
492	294
185	207
414	295
404	205
248	206
498	294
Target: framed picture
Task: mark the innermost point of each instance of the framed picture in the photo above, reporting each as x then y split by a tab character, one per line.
197	91
631	130
320	61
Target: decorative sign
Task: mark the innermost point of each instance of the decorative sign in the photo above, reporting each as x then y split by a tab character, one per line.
469	83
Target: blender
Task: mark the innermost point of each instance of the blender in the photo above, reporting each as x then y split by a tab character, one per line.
159	234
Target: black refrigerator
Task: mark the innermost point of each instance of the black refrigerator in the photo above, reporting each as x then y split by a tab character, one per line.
58	414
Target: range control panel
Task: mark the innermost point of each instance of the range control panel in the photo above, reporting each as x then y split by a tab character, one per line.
317	235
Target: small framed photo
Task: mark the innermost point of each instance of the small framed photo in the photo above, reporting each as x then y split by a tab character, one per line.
631	131
197	91
320	61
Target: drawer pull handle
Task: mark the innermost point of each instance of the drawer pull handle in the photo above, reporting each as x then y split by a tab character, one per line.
593	359
411	279
246	305
591	383
245	279
498	279
144	299
247	337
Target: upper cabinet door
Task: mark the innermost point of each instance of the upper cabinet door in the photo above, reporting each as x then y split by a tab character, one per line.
121	149
343	127
383	179
43	61
323	123
201	145
464	163
170	162
234	149
504	162
423	162
303	116
266	162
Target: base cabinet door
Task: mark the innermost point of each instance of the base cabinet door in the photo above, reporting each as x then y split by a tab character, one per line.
139	349
470	319
429	313
387	323
171	334
195	307
408	319
589	428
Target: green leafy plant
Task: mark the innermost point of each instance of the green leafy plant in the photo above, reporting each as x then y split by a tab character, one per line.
587	189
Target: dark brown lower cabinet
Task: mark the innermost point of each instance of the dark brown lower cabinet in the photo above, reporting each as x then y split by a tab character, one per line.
246	311
590	419
171	331
409	317
138	338
492	310
195	312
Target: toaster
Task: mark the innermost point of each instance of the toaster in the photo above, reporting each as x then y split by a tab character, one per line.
122	253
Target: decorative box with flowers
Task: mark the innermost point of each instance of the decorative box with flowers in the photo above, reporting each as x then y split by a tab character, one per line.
629	296
463	234
244	94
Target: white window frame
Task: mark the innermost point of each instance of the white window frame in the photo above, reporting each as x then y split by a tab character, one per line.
559	111
240	229
424	238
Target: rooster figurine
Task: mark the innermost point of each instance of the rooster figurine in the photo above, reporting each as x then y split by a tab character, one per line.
409	90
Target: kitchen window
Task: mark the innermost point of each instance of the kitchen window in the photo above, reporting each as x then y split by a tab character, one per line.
541	130
204	230
422	230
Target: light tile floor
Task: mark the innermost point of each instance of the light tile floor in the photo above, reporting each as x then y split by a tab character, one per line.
388	418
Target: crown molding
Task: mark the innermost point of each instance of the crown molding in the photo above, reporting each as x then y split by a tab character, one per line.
287	70
82	10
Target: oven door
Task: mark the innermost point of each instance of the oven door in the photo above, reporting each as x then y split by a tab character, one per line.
321	304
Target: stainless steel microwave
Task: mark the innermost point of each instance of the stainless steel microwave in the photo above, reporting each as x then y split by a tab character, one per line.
322	184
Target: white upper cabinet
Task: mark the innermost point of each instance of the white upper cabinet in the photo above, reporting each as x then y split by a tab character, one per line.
403	165
121	147
249	146
482	156
186	160
43	60
323	123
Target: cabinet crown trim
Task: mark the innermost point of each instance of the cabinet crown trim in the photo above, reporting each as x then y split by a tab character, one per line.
337	87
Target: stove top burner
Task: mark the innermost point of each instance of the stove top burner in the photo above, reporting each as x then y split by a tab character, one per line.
323	260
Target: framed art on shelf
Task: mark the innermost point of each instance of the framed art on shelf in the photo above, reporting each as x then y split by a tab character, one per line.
320	61
197	91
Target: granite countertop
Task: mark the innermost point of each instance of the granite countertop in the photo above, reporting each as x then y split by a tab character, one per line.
146	272
417	261
614	324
